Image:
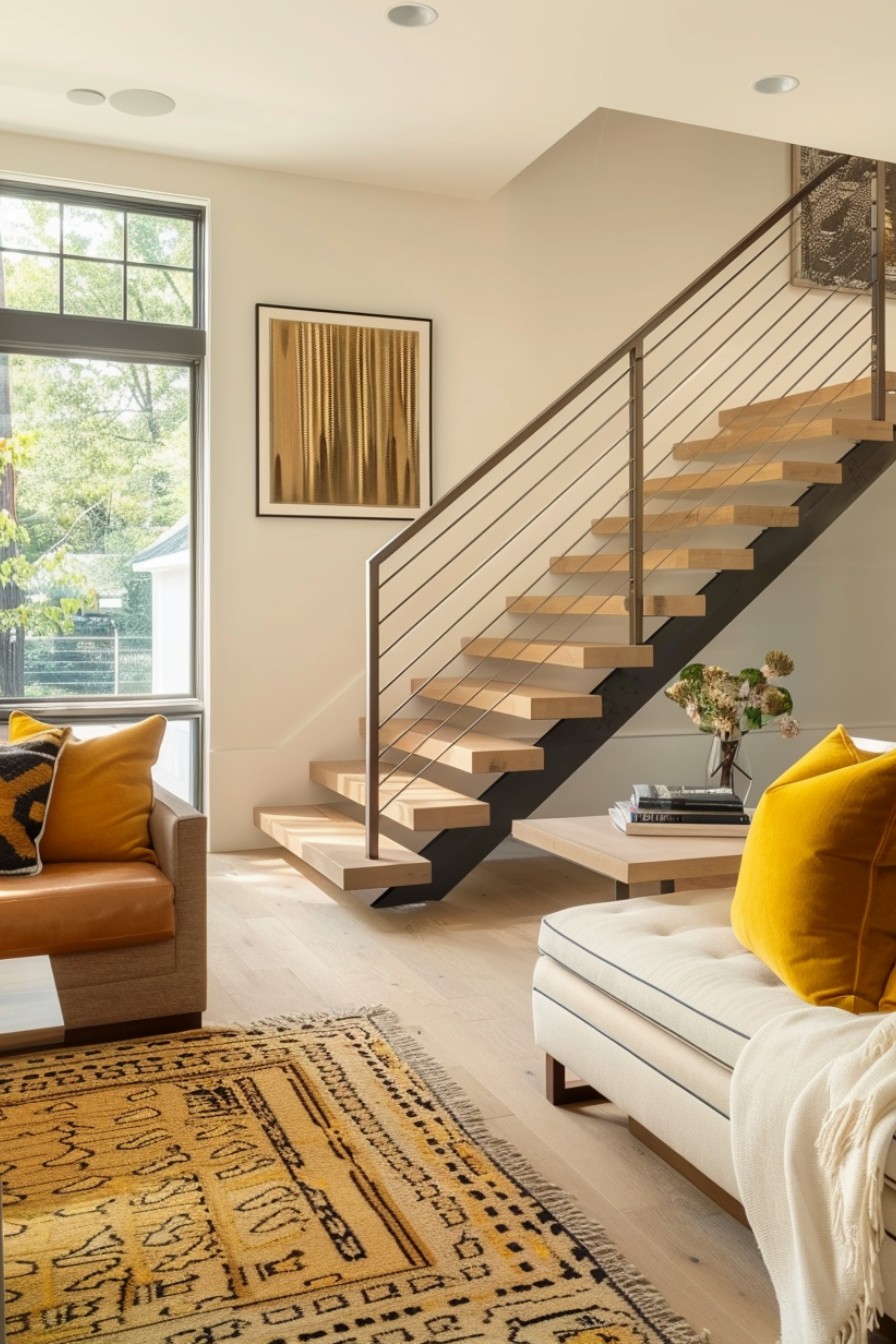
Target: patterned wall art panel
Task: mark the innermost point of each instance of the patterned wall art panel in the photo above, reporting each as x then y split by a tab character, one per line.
830	243
343	414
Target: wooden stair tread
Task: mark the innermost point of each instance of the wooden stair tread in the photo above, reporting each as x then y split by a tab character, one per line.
450	744
504	697
796	401
616	604
335	845
707	557
748	473
420	804
838	430
705	515
561	653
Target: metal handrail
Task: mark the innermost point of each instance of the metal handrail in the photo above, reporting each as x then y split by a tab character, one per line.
878	291
590	405
545	632
524	676
633	351
582	385
521	680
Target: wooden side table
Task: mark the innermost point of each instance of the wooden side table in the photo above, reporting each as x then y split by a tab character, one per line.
29	1015
596	843
29	1005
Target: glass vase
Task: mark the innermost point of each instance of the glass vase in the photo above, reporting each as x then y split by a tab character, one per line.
729	765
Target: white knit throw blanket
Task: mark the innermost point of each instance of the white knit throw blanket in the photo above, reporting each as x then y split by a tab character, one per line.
813	1114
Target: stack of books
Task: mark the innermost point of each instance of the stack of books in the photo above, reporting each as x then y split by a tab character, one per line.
683	809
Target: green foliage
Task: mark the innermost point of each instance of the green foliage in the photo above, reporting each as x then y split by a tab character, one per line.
731	704
112	469
28	582
693	674
753	716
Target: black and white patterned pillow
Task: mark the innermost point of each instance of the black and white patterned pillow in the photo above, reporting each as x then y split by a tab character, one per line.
27	771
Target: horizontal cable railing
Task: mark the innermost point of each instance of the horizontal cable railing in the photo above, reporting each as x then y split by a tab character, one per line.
738	335
79	664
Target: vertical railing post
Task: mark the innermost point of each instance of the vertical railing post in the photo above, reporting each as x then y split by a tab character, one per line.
636	494
879	292
372	723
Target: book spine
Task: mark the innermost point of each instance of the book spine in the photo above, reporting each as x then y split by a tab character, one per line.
685	805
662	793
689	818
621	820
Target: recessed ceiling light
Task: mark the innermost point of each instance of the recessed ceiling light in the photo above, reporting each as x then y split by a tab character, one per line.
412	16
776	84
86	97
142	102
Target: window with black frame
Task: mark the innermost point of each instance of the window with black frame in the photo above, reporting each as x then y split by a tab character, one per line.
101	347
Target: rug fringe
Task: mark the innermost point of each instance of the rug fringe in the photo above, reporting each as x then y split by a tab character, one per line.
593	1237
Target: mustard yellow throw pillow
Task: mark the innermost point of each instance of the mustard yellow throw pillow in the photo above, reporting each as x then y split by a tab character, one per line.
27	773
816	893
102	796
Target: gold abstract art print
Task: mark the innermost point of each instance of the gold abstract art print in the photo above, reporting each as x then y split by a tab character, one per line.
343	414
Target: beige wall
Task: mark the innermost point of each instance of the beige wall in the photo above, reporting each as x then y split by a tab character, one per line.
286	595
526	291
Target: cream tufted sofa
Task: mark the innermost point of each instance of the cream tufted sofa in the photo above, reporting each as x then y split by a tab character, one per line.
650	1001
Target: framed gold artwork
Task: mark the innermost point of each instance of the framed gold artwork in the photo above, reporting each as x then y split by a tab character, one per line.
344	423
830	243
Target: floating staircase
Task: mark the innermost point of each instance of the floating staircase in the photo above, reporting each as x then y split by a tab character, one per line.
444	746
474	753
705	558
333	844
704	516
519	701
750	473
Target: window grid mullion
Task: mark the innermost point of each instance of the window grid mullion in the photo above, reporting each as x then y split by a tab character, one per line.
108	261
61	267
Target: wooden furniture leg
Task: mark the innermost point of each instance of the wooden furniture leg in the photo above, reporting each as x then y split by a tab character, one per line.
559	1092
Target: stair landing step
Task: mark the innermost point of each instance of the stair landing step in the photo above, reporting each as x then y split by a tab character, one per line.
413	801
705	515
565	653
505	697
706	557
450	744
748	473
799	401
334	845
616	604
841	431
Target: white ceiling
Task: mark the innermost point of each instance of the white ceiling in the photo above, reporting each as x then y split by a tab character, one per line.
329	88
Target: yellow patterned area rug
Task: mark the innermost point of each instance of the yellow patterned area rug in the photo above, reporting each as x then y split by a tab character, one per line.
309	1181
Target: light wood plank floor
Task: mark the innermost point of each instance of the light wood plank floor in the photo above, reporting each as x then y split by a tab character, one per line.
458	973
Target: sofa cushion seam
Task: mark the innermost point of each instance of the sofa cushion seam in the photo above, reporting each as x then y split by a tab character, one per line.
641	981
633	1053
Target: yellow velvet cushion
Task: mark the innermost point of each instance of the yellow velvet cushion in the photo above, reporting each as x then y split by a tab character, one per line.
102	796
816	893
